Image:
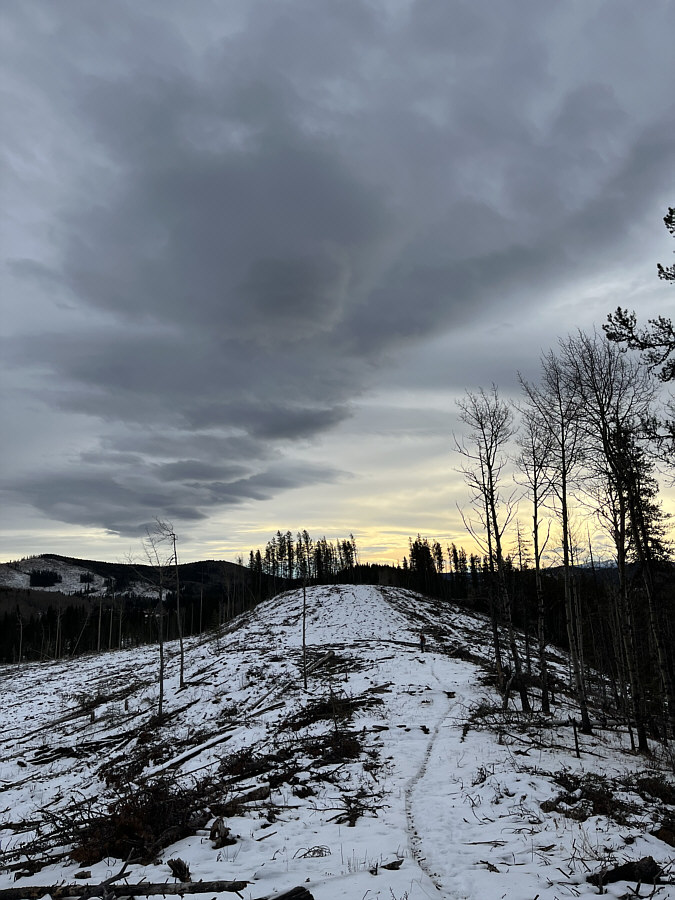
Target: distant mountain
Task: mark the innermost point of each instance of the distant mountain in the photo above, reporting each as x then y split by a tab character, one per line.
69	575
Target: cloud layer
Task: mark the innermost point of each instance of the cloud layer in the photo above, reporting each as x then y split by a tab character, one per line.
229	223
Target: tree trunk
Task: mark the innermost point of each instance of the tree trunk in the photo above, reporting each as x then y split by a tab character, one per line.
160	704
492	606
569	610
506	605
178	617
642	550
541	614
304	634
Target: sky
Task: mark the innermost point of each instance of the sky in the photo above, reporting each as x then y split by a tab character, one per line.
254	252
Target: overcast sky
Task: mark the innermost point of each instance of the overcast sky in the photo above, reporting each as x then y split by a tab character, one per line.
255	249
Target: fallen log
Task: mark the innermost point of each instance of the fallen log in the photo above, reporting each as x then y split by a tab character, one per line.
296	893
280	687
231	807
642	871
146	889
187	755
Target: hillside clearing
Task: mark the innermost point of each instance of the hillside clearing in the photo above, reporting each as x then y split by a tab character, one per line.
398	774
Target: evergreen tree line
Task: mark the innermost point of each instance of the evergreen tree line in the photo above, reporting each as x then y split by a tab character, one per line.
301	558
44	578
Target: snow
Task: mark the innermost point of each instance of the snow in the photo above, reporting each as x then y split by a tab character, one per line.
448	786
16	575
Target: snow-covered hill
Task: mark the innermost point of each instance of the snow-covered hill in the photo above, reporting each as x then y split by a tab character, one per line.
71	576
18	575
394	775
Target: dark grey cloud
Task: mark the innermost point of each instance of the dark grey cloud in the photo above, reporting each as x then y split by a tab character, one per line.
90	498
241	214
195	470
117	496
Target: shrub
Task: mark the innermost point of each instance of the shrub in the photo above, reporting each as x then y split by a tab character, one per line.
140	823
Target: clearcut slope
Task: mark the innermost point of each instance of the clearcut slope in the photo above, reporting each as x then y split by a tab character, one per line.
393	756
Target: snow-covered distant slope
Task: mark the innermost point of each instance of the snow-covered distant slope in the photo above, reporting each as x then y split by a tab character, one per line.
74	576
18	575
392	756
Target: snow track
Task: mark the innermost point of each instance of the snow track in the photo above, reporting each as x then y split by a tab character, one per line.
413	822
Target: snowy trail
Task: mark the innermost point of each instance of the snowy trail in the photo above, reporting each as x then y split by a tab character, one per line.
415	819
436	839
442	834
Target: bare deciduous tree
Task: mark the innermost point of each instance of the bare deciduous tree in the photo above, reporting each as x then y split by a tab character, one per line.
164	533
557	409
616	397
159	556
534	462
490	423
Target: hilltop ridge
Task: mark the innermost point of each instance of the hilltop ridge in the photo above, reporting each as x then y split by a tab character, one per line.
397	773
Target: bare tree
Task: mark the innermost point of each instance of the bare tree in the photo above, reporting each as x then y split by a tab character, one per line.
534	463
178	611
164	531
616	398
303	555
490	423
557	409
159	557
19	618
